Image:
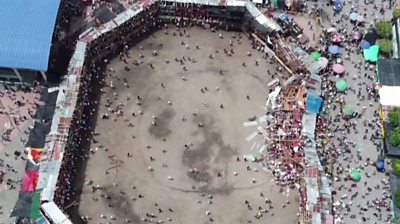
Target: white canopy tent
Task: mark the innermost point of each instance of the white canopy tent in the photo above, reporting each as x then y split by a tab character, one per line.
56	215
389	96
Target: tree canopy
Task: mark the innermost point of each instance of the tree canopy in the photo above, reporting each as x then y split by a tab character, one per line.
394	117
396	13
384	29
396	167
394	138
385	46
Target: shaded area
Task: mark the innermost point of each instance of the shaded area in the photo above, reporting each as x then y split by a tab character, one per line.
45	112
48	98
22	207
103	14
121	206
200	156
163	121
37	136
200	176
117	7
84	146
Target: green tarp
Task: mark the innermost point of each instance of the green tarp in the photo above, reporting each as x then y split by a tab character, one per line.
35	210
372	53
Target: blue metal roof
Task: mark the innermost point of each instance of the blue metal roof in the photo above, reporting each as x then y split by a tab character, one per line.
26	30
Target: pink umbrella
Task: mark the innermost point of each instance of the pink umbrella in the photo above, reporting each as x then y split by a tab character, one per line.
360	19
357	35
337	38
338	68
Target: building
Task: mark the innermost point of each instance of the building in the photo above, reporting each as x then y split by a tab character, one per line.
389	90
396	37
26	29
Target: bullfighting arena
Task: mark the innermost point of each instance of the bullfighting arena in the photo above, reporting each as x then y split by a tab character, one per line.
172	147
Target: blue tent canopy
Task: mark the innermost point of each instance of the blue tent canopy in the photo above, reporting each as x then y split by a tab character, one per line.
26	31
365	44
380	165
338	6
333	49
313	104
283	17
353	16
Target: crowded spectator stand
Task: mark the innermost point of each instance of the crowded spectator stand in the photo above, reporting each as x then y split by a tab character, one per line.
289	128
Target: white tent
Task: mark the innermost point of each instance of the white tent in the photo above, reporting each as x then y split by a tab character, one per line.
55	214
235	3
390	96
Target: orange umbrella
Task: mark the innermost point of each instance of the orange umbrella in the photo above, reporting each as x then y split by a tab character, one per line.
35	154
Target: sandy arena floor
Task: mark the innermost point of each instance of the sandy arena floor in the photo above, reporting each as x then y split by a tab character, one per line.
212	149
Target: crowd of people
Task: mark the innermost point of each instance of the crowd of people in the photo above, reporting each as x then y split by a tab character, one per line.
339	147
285	149
345	152
336	132
348	142
91	83
114	110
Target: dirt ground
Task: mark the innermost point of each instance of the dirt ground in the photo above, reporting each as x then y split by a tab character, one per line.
169	189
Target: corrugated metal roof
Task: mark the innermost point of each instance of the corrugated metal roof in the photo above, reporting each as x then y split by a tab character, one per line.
26	29
253	10
56	215
309	121
268	23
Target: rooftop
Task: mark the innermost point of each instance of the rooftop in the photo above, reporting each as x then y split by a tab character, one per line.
26	29
389	72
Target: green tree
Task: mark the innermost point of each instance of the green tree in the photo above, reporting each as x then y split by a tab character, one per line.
397	198
394	117
394	138
385	46
396	167
396	13
384	29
